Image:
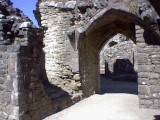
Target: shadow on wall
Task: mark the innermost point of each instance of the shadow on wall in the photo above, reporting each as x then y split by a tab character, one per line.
157	117
54	92
152	38
123	70
122	80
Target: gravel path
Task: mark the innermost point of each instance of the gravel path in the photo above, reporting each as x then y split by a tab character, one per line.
109	106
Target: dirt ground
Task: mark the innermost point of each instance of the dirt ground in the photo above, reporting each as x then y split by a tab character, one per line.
118	101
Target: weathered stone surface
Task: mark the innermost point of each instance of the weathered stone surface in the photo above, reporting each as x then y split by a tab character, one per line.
6	97
70	4
118	49
35	83
143	75
25	25
2	80
76	77
143	81
9	84
143	89
155	89
3	115
83	5
146	103
87	15
2	87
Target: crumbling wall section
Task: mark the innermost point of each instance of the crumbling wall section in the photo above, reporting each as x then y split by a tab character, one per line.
61	61
12	37
148	70
23	88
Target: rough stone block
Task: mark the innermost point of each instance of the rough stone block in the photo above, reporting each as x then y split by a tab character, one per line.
2	80
3	115
144	68
6	97
3	72
156	62
4	56
2	87
59	5
12	117
14	99
9	83
3	48
155	89
137	27
143	58
154	76
76	77
139	31
13	48
146	103
153	82
143	81
140	41
157	69
143	89
3	66
9	109
25	25
139	36
143	75
70	4
141	44
156	103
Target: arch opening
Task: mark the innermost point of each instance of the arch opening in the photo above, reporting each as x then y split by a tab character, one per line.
99	31
118	64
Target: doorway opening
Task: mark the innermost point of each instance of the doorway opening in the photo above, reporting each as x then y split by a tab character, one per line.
118	65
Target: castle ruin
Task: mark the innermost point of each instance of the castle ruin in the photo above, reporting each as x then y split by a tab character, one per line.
44	70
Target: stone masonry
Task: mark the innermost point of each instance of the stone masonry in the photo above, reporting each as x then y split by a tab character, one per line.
119	47
44	70
24	91
81	23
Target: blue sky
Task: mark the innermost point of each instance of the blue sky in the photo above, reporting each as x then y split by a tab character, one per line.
27	6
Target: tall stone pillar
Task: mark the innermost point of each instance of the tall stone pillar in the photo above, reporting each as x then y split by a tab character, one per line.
61	60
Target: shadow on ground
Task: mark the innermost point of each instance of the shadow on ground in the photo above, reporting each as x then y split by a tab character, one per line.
110	86
123	78
157	117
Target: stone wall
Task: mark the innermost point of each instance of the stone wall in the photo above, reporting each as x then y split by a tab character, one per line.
118	47
61	61
48	69
76	21
148	71
95	31
14	27
25	92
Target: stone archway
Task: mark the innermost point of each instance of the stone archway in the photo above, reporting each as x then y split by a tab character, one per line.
118	59
26	69
101	29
